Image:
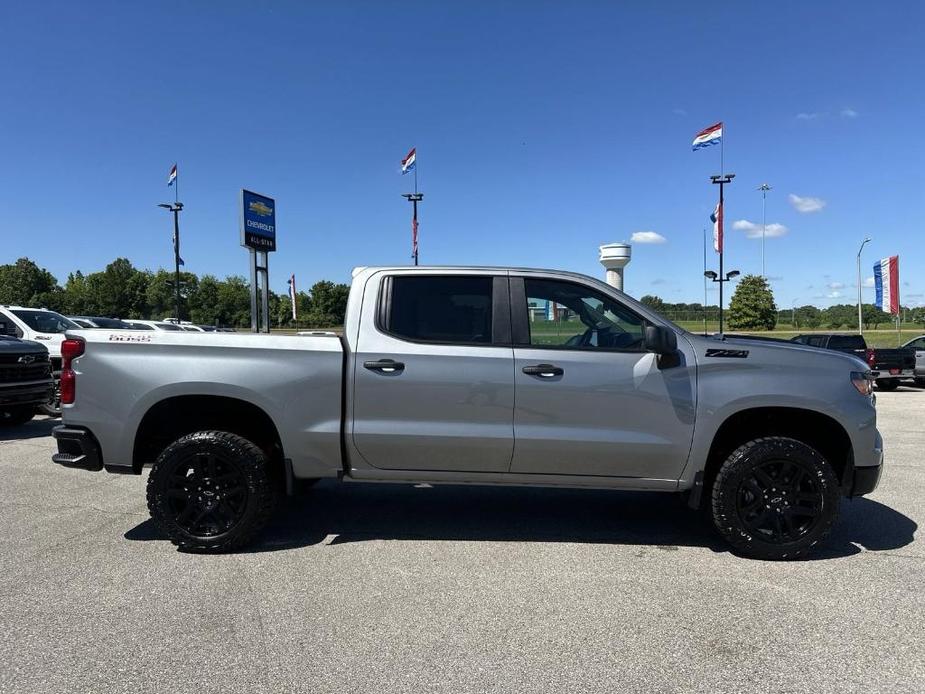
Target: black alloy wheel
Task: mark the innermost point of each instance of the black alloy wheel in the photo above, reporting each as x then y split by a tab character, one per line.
207	495
779	501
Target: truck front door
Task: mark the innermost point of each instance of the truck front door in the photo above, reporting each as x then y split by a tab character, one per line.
589	399
434	373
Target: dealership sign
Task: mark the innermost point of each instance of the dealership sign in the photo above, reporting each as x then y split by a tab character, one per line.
258	221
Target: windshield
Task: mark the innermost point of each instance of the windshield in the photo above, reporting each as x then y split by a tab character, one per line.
45	321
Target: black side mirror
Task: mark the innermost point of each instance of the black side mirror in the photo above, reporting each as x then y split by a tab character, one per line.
660	340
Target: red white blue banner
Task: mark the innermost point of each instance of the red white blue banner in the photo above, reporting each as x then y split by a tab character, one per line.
172	176
408	162
717	219
709	136
886	284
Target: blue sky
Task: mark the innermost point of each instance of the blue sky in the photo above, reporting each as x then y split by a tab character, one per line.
543	130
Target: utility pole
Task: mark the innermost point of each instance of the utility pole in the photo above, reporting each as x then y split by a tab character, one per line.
860	323
764	188
414	198
721	181
178	261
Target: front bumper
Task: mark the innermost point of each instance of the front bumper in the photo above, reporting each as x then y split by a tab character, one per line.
865	479
32	393
77	448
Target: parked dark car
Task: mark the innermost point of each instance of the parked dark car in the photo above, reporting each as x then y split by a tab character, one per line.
100	322
890	366
25	379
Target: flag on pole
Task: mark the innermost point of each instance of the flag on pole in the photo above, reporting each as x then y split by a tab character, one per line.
717	219
709	136
292	295
407	164
886	284
172	176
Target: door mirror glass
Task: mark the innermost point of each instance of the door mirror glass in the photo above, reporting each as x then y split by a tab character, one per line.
660	340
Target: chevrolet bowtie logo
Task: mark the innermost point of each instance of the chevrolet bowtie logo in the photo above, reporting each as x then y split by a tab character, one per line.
26	359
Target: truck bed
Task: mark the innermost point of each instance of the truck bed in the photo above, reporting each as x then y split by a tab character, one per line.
123	374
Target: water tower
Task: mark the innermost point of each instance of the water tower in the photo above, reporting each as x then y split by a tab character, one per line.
615	257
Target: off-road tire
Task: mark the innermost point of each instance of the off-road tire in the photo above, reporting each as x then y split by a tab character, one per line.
734	498
240	461
920	382
15	416
887	383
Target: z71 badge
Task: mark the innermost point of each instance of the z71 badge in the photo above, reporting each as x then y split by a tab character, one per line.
728	353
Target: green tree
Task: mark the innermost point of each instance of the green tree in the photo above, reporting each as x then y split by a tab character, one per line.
204	302
808	317
234	302
653	302
26	284
752	306
328	304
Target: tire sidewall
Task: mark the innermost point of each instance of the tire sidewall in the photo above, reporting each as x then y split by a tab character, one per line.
739	465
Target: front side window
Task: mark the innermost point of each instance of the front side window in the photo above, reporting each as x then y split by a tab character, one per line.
45	321
569	316
450	309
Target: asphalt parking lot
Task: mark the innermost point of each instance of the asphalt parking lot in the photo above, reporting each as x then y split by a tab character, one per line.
384	588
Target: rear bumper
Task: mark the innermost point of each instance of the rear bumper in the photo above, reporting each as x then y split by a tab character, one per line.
77	448
32	393
885	374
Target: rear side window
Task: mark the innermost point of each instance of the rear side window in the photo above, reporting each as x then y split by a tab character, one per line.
847	342
816	341
440	309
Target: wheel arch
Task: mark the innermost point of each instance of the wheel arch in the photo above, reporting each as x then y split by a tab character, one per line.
175	416
813	428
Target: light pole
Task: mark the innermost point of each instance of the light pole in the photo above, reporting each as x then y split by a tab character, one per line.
764	188
860	324
793	313
175	208
710	275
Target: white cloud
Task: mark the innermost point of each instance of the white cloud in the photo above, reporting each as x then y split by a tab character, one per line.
753	230
849	112
679	111
835	285
659	280
868	282
833	295
808	116
807	204
647	237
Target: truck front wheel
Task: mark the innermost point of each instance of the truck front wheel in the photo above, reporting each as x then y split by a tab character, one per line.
211	491
775	498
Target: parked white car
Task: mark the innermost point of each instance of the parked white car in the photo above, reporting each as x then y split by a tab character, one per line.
154	325
42	326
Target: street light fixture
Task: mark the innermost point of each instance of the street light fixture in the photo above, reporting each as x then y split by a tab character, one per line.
712	276
764	188
860	324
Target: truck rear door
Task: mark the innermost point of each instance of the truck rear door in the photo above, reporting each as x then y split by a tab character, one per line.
434	373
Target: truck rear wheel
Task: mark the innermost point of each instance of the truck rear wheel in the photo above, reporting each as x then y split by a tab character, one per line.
887	383
211	491
775	498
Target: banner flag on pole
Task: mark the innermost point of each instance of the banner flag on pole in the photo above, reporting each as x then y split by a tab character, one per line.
717	219
172	176
407	164
292	295
886	284
712	135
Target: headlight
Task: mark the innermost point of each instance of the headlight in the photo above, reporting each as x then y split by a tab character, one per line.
862	381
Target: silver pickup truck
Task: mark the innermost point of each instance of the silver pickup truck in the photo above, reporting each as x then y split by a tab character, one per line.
475	376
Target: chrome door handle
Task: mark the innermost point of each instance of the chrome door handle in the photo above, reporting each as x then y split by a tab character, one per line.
544	370
386	366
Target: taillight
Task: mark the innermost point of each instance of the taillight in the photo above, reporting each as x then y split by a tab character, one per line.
70	350
870	357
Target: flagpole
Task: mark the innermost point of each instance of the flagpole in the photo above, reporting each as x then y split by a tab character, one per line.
704	281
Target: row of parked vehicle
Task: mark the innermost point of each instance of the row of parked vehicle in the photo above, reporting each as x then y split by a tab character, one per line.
30	355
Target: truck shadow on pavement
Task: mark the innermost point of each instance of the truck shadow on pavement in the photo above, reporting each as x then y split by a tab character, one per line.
333	513
38	428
